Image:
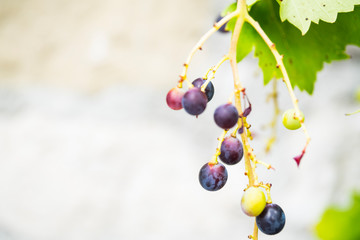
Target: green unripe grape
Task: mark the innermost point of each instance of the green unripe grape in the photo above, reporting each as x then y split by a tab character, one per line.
289	121
253	201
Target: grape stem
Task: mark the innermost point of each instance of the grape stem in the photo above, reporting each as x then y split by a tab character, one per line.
268	166
272	124
200	43
248	151
242	10
232	94
205	77
214	160
267	188
233	134
348	114
281	66
213	71
255	234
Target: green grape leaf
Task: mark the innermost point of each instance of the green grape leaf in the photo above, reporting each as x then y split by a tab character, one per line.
229	9
232	7
339	223
302	12
305	55
250	3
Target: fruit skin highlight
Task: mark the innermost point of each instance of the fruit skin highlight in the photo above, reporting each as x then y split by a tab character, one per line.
272	220
213	177
194	101
289	121
253	201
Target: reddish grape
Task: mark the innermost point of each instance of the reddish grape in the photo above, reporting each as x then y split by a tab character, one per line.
209	90
194	101
174	97
272	219
213	177
226	116
231	150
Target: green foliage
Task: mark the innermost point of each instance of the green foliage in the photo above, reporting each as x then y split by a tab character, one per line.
305	55
249	3
341	223
232	7
302	12
229	9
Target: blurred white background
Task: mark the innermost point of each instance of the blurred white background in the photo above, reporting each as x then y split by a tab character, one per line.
89	150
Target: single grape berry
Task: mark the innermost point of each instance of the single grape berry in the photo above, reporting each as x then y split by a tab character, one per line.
231	151
222	28
213	177
289	121
272	220
174	97
209	90
194	101
253	201
226	116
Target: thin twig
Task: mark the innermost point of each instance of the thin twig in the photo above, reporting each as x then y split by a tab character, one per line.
281	66
201	42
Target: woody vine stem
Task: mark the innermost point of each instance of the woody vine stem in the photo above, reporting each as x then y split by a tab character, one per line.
241	14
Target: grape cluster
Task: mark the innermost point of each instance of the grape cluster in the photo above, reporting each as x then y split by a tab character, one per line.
270	218
193	101
213	175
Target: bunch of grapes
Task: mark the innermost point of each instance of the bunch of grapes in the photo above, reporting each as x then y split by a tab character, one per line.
234	146
270	218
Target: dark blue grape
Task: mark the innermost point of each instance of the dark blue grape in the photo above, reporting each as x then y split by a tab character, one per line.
194	101
231	150
272	219
209	90
213	177
226	116
222	28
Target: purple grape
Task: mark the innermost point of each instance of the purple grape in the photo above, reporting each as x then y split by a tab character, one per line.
213	177
241	130
222	28
272	219
194	101
173	98
226	116
209	90
231	151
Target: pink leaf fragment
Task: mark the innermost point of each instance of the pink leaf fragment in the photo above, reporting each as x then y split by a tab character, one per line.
298	158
